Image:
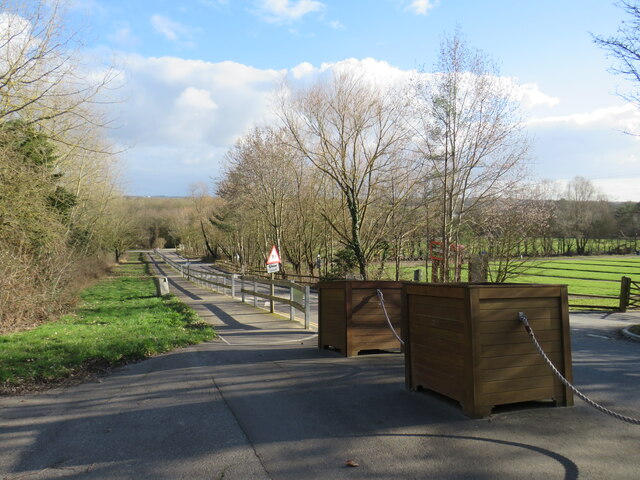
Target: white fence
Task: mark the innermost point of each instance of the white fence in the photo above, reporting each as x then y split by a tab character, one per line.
297	297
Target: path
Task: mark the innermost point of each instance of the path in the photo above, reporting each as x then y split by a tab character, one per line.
259	410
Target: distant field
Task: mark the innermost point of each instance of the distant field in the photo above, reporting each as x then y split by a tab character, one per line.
584	276
592	275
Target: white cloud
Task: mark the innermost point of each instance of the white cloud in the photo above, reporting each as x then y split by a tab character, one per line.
620	117
276	11
302	70
181	116
373	70
529	95
170	29
196	98
422	7
189	106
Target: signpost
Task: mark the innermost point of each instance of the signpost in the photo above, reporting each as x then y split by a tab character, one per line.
273	266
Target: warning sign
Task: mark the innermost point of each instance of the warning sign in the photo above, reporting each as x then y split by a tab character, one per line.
274	257
273	268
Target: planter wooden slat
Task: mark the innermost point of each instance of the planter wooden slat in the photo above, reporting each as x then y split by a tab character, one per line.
351	319
465	341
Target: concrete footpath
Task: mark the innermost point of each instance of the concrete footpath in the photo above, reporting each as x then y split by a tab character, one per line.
263	402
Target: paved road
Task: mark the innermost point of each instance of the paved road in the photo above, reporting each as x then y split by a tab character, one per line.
266	404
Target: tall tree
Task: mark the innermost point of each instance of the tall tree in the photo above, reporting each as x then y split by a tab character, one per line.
581	212
261	175
468	130
353	131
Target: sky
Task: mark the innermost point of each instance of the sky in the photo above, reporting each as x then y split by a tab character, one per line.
196	75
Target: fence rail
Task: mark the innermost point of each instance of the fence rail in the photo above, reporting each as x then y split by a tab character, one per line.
233	284
310	280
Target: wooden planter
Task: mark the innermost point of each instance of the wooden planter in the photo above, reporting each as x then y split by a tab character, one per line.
466	342
351	319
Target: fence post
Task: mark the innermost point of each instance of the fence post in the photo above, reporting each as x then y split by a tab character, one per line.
242	294
625	292
292	309
307	306
272	293
255	289
233	286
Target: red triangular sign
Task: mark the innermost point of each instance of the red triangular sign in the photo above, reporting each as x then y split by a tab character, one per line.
273	256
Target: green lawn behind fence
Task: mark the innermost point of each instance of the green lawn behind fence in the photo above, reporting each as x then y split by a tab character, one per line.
591	275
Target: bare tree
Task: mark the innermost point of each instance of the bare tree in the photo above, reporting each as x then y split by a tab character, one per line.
41	78
502	227
468	130
353	131
261	175
580	211
624	47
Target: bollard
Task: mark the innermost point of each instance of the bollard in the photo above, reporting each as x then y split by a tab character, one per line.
307	307
162	286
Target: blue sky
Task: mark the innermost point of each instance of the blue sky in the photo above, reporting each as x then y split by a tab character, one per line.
196	74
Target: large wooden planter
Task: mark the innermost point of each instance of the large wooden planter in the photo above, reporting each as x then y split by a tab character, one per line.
351	320
466	342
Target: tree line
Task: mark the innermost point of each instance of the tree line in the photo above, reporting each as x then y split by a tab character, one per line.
59	199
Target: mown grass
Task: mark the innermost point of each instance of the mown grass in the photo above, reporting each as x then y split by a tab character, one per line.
119	320
584	276
591	275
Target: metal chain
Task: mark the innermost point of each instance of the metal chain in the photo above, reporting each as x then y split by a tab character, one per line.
381	297
624	418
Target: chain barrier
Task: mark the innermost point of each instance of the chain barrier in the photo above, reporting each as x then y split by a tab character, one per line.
624	418
386	315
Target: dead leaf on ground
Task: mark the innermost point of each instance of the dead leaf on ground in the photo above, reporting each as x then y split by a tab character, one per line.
352	463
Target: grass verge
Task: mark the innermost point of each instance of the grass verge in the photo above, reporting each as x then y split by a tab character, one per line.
119	320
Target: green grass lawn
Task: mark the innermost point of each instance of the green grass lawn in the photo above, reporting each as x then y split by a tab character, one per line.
119	320
591	275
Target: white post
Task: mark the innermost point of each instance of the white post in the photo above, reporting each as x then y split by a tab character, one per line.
292	309
272	294
307	306
242	288
233	286
255	289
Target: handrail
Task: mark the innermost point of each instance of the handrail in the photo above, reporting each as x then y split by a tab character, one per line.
299	295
